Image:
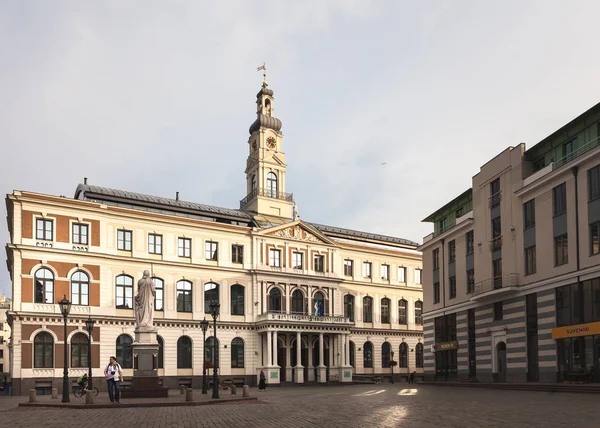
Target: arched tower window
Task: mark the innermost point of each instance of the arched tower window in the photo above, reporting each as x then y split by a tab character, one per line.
253	182
298	302
275	300
271	185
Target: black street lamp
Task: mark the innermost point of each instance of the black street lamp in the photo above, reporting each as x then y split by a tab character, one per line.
204	326
89	326
392	366
65	308
214	311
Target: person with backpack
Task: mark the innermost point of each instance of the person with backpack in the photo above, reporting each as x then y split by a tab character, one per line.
114	377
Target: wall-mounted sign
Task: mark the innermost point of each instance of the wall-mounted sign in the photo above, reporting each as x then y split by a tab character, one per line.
576	330
445	346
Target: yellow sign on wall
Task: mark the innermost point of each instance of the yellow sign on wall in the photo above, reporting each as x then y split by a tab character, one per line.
576	330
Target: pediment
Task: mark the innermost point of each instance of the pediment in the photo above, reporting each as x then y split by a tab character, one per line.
299	231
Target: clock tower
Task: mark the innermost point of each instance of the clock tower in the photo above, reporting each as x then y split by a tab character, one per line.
265	166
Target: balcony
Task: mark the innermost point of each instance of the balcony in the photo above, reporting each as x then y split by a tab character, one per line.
449	226
296	317
266	193
576	153
496	286
495	200
496	243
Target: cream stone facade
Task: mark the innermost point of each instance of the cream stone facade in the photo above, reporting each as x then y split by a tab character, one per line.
348	298
4	340
512	269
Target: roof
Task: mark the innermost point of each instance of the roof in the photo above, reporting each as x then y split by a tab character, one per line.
156	203
332	230
468	192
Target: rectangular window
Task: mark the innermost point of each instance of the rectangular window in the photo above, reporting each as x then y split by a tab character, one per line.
470	242
44	229
559	199
561	250
124	240
319	263
367	269
443	224
385	272
496	228
451	251
529	214
495	193
530	267
470	281
211	250
297	260
154	243
348	267
498	311
80	233
595	238
401	274
237	254
452	287
436	292
184	247
436	258
418	273
274	257
594	182
497	273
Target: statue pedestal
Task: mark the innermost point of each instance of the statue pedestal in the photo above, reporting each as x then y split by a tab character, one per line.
145	382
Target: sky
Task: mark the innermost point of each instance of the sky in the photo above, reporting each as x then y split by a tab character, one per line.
157	97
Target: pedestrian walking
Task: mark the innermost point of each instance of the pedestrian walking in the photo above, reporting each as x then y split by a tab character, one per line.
262	384
114	376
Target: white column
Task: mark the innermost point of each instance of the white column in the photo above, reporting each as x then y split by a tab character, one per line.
298	349
331	349
275	348
269	349
410	314
347	350
288	352
320	349
309	299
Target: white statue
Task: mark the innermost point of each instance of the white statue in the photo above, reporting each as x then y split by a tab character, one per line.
144	302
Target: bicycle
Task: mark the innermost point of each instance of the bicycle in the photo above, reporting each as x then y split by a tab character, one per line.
78	391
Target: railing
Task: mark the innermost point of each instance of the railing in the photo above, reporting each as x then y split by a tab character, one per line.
495	200
268	193
495	283
496	243
448	226
577	152
302	317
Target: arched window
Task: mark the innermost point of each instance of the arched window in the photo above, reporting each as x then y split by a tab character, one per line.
402	311
352	354
184	296
385	311
161	352
298	302
367	309
124	352
320	305
419	355
211	351
275	300
159	299
237	299
271	185
211	294
43	351
403	355
368	355
419	313
184	353
79	350
349	306
386	350
44	286
124	286
237	353
253	182
80	288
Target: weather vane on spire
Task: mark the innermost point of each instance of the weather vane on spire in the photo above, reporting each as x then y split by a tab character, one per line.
264	69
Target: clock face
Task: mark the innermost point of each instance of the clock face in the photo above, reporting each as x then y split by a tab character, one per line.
254	145
271	143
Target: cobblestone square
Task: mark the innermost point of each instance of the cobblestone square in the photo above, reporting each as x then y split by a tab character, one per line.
344	406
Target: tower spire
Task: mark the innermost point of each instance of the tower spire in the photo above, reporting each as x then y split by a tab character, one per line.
264	69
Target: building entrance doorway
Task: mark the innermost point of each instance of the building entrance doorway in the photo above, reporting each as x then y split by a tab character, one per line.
500	374
445	366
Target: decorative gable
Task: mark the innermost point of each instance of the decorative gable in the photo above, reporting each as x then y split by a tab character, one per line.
299	233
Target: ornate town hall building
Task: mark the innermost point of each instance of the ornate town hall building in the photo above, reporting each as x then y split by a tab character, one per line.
301	301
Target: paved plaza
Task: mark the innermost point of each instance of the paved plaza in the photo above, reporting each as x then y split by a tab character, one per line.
344	406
